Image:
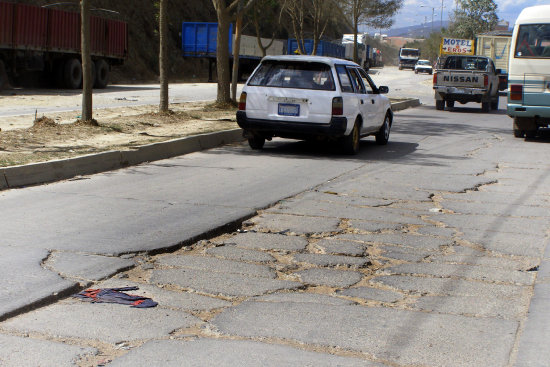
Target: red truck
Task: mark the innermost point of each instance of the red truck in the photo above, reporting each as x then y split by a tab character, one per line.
47	41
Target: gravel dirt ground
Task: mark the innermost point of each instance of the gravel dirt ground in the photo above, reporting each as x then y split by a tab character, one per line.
62	135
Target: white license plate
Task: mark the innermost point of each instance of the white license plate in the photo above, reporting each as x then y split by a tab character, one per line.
287	109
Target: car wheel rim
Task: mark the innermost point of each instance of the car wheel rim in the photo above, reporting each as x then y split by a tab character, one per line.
386	129
355	137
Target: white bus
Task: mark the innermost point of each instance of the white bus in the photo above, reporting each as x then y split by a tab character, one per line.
529	72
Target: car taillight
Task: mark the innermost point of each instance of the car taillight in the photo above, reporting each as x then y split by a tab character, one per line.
516	92
242	102
337	106
486	80
435	78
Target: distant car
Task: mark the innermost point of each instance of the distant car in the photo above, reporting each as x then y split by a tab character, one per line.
423	66
304	97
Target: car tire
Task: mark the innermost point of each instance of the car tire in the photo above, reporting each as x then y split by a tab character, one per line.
450	104
256	142
494	104
350	143
518	133
485	106
383	135
416	71
530	134
440	105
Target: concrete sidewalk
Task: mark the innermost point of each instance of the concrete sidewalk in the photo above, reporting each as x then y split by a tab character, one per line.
37	173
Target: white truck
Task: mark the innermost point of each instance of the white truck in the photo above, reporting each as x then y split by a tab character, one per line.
466	79
408	57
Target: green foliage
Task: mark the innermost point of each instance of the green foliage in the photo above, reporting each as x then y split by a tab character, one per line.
473	17
429	48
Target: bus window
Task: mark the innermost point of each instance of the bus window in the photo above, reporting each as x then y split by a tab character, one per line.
533	41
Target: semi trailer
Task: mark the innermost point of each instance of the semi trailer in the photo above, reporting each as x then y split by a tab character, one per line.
44	44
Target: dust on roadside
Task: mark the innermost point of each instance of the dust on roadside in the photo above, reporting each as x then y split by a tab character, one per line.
62	136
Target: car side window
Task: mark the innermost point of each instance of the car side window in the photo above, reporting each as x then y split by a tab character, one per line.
343	77
357	81
367	81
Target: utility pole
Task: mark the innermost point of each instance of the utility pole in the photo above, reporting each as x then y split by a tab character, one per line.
441	15
433	13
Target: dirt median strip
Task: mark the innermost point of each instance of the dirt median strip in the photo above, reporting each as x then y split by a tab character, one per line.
75	162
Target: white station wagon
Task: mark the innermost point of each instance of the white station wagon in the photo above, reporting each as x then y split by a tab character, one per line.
310	97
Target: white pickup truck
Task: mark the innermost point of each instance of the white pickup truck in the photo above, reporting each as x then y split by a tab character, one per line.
466	79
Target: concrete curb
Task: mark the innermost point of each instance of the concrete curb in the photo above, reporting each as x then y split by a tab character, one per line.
398	106
63	169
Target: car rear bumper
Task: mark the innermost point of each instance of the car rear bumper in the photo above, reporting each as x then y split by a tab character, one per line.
459	90
290	129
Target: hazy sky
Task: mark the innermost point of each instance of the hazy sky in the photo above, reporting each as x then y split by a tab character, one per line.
417	11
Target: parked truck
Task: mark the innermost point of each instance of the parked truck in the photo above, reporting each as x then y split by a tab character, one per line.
199	40
408	58
45	42
495	45
466	78
369	56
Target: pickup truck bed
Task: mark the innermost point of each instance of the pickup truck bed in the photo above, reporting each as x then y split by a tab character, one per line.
466	79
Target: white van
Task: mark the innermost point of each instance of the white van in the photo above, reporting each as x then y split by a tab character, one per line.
529	72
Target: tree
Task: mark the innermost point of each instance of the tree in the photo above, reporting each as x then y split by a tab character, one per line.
473	17
225	14
303	13
429	48
236	51
163	56
87	81
263	11
372	13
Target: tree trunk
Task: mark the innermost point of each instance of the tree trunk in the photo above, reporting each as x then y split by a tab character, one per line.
236	51
87	81
355	31
163	56
222	57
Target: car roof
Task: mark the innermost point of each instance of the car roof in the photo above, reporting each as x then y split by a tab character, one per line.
309	58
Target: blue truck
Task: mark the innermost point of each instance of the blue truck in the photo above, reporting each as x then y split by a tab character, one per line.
199	40
324	48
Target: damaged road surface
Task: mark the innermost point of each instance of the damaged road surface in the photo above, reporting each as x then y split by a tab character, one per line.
430	251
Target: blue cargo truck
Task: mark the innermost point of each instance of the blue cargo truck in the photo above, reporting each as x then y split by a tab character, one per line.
200	40
324	48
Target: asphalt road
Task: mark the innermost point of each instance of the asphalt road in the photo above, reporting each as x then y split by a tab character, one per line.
429	251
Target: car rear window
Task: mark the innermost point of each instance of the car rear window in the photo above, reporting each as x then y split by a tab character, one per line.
345	81
293	74
466	63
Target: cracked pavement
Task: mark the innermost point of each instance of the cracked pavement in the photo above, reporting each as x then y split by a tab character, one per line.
434	258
